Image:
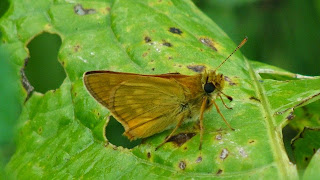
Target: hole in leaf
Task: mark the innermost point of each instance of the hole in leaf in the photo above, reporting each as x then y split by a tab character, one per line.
306	116
288	134
114	131
4	6
43	70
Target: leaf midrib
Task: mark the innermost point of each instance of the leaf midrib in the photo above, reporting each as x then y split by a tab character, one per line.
275	134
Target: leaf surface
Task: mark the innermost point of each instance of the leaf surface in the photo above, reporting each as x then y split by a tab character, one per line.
312	172
305	147
62	131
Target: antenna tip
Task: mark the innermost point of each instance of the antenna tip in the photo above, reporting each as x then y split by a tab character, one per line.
242	43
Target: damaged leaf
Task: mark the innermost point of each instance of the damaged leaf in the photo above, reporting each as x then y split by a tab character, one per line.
62	132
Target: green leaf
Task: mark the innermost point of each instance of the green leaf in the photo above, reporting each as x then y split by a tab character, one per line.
307	116
305	146
62	131
312	171
9	111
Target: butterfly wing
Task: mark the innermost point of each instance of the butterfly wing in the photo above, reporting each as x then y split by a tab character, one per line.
143	104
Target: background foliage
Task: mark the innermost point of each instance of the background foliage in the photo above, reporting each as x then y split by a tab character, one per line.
282	33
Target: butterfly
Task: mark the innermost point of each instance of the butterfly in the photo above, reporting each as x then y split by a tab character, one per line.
149	104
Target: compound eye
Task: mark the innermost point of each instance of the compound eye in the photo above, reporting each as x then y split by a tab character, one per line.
209	87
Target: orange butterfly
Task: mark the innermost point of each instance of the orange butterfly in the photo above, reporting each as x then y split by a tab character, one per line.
149	104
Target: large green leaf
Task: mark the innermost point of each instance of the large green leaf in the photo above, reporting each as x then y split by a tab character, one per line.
9	111
305	146
62	131
312	172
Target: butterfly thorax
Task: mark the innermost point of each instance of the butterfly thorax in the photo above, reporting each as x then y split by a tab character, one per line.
208	86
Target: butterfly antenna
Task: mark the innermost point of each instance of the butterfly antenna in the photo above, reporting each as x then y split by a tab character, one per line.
238	47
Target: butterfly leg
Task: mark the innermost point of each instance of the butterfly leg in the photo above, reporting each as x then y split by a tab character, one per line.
218	110
203	107
173	131
224	103
229	97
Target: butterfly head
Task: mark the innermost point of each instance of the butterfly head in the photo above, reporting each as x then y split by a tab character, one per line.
212	82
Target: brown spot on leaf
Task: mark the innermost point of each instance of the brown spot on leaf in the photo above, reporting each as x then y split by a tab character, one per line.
169	57
290	116
165	43
79	10
199	159
147	39
152	69
76	48
182	165
145	54
224	154
231	83
219	172
175	30
254	98
149	155
181	138
40	130
196	68
219	137
252	141
208	42
242	152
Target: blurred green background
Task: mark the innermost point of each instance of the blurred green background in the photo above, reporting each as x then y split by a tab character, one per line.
282	33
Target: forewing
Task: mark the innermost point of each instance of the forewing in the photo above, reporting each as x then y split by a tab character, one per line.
144	104
101	83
